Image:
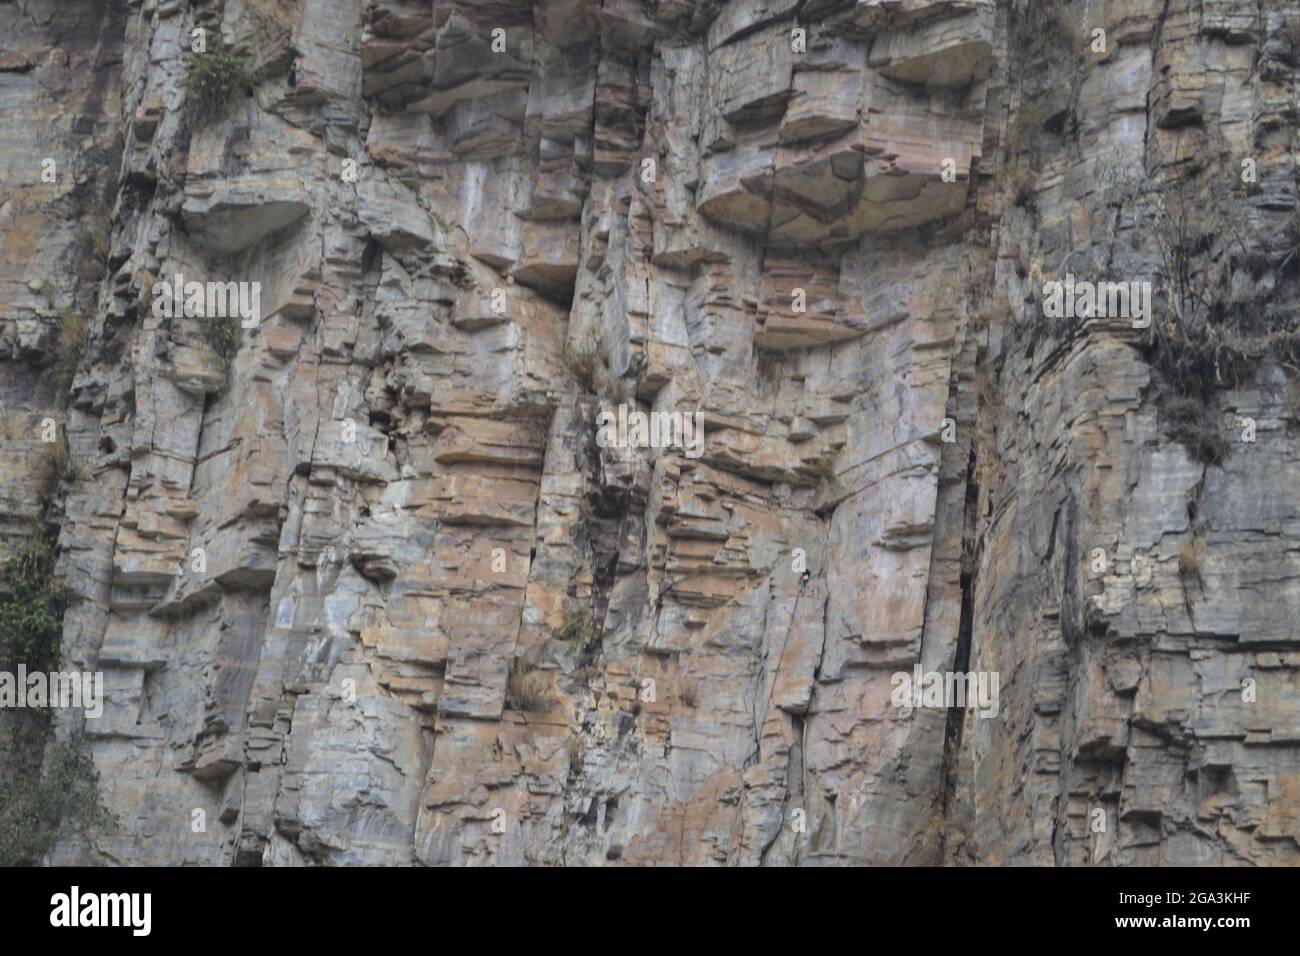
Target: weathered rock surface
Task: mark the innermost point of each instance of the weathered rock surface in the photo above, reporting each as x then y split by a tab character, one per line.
400	502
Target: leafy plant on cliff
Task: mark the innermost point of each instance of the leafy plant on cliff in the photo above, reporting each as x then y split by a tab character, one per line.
579	627
1222	274
213	79
223	335
31	605
37	808
580	632
1207	334
44	794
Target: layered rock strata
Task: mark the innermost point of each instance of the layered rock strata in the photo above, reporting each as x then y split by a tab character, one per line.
375	594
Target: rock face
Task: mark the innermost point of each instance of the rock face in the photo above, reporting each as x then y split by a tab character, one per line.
379	594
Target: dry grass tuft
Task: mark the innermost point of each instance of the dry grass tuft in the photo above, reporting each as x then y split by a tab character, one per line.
528	688
1191	556
69	349
688	691
584	361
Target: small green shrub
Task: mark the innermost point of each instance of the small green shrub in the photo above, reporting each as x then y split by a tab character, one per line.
579	630
44	794
36	808
31	605
224	336
213	79
579	626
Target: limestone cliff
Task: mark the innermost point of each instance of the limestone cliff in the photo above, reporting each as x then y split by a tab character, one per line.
366	587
